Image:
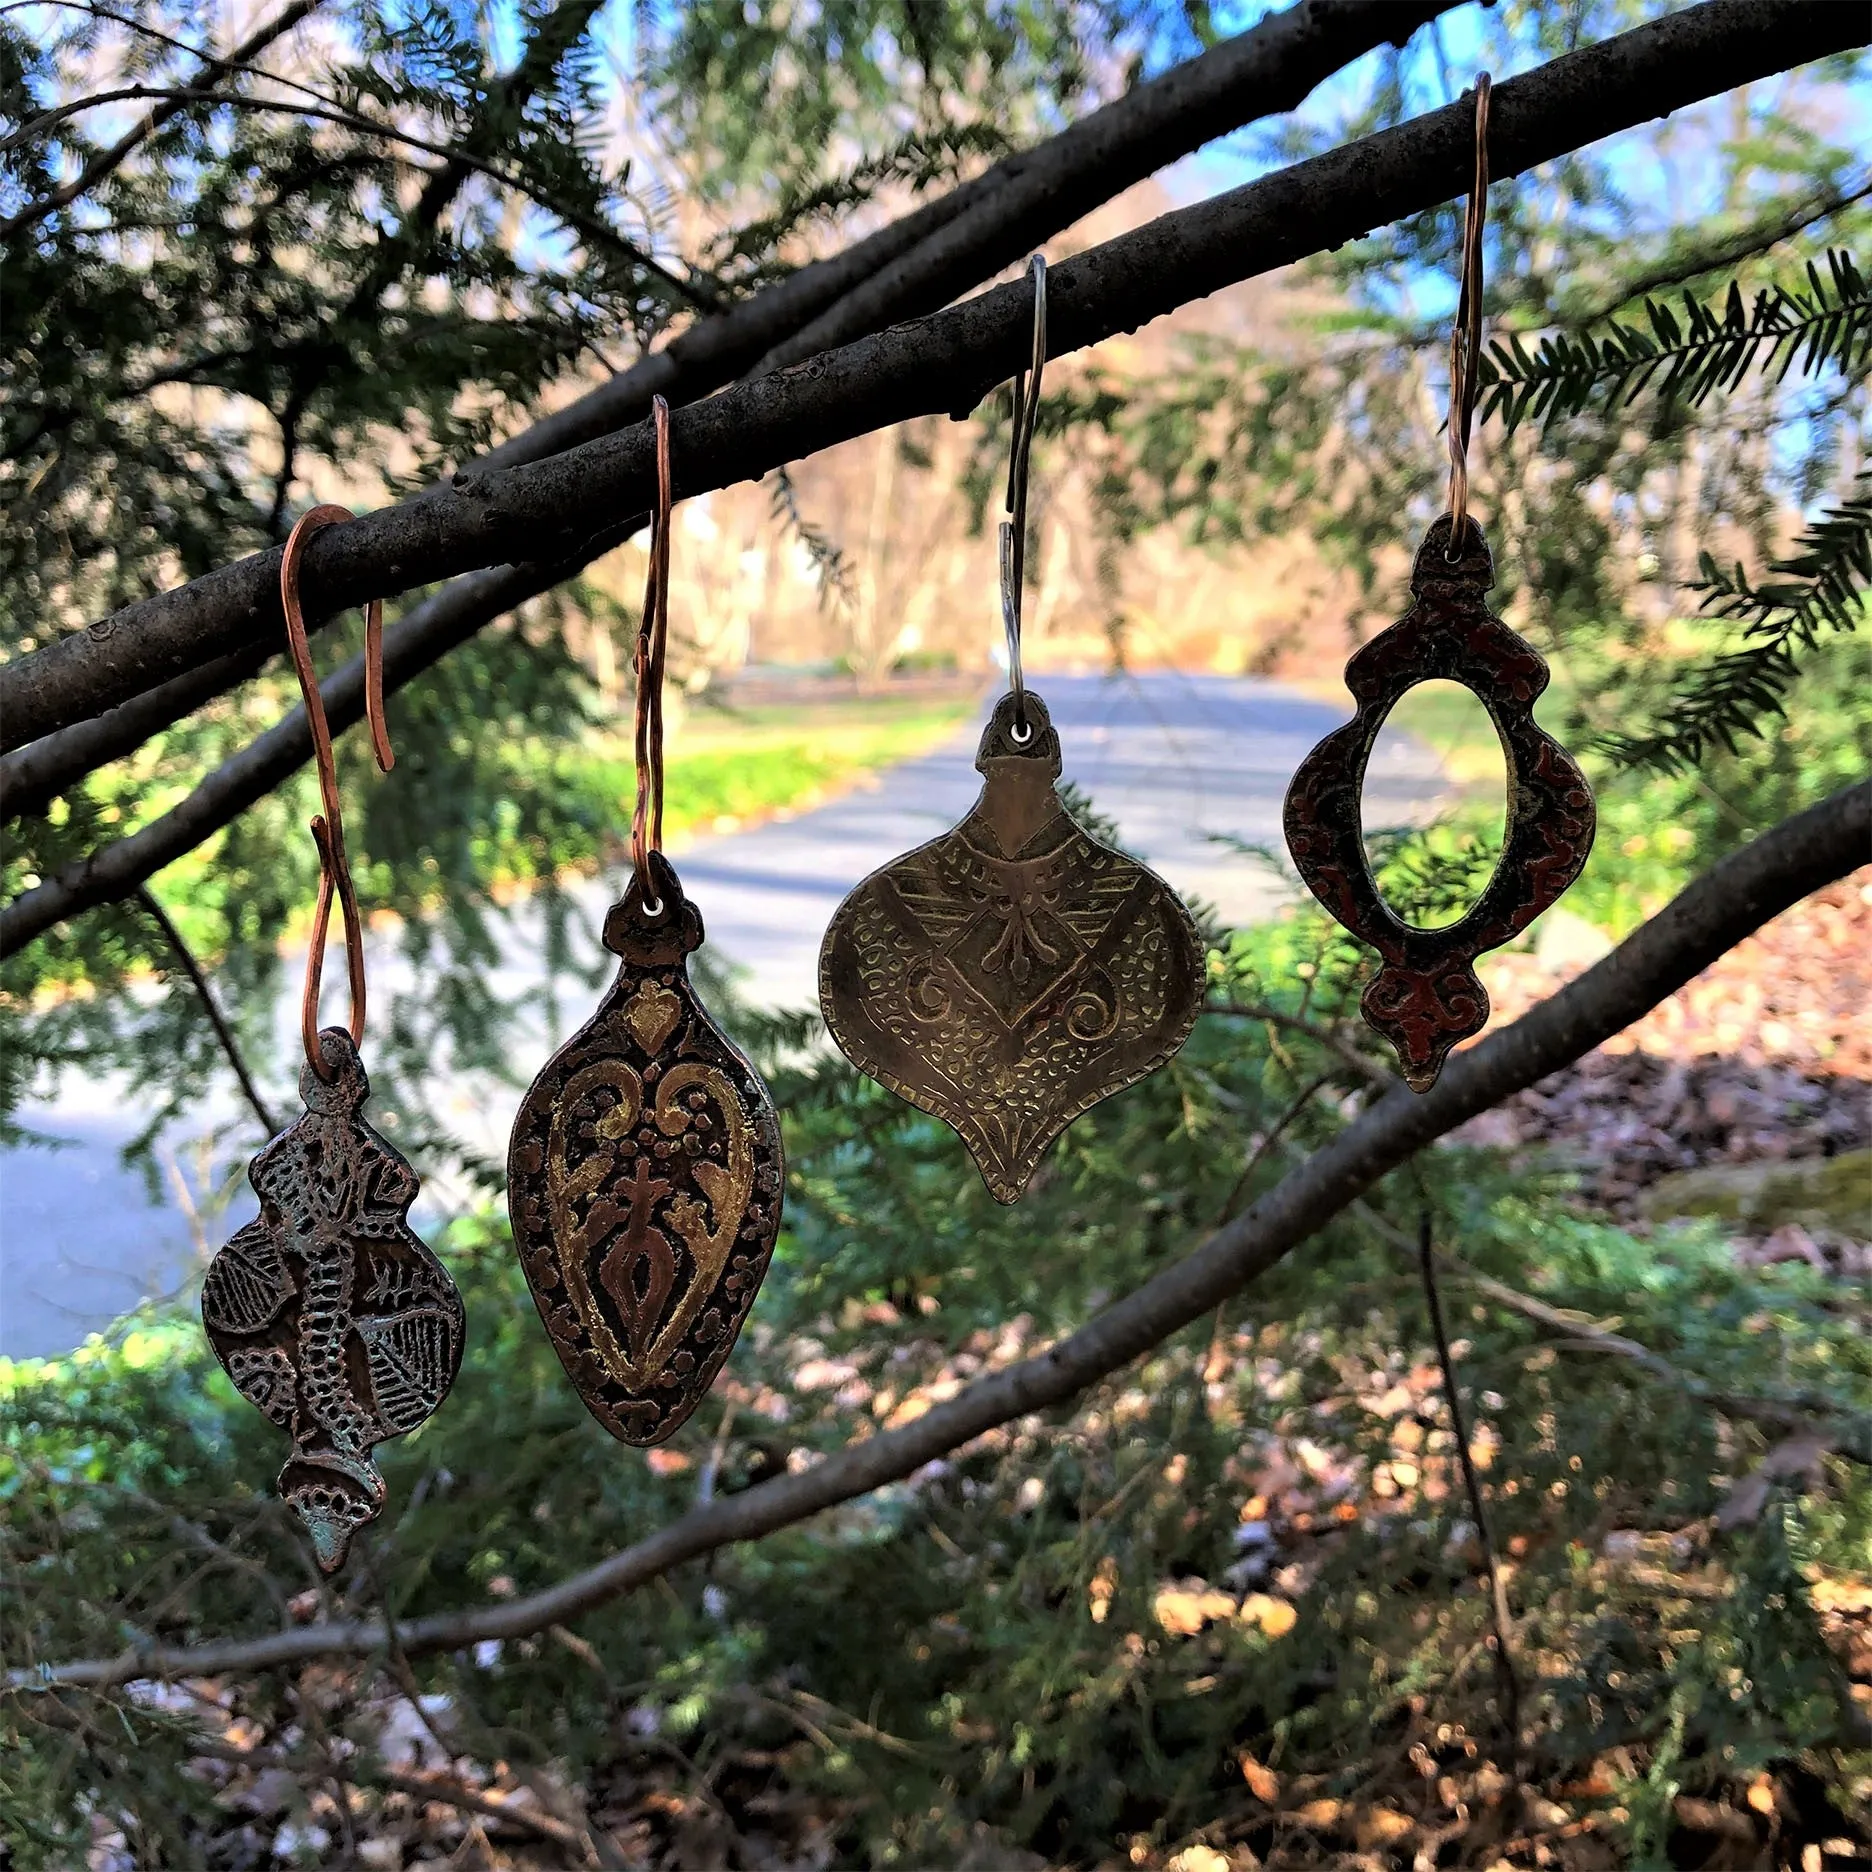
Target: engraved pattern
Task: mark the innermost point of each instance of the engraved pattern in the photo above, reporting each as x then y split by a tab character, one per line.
1010	974
327	1311
1426	996
645	1182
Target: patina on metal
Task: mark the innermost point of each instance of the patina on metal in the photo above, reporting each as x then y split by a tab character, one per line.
327	1311
1426	996
645	1172
644	1180
1007	976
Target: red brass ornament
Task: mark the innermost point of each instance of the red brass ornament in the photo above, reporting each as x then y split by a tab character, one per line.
1426	996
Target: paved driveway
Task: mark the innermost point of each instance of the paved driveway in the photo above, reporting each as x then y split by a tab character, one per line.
1173	758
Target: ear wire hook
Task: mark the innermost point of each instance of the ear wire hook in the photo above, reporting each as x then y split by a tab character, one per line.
652	641
328	827
1026	396
1466	335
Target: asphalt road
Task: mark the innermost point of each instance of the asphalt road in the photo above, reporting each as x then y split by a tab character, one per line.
1176	759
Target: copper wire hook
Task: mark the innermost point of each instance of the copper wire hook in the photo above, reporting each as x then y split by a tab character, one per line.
652	641
1466	334
1026	395
328	827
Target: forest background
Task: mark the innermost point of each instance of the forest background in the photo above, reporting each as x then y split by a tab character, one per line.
1232	1606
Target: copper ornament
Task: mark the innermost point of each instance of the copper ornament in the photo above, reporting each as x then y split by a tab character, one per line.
1007	976
328	1312
644	1180
1426	996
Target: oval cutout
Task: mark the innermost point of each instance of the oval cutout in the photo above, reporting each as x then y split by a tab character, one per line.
1433	863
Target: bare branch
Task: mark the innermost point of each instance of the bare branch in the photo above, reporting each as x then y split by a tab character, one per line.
223	1033
1729	902
574	505
1498	1591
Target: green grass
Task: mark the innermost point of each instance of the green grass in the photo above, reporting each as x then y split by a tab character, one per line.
757	762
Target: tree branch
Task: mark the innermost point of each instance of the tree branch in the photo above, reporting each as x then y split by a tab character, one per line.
1730	901
580	503
986	222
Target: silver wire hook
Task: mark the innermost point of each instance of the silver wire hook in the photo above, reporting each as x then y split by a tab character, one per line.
1026	393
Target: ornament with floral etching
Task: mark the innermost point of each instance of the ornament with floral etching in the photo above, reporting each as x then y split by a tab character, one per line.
645	1180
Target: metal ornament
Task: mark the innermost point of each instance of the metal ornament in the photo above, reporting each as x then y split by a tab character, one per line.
1007	976
645	1173
1426	996
327	1311
644	1180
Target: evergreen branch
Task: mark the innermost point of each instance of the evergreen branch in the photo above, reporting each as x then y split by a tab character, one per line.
1697	259
1714	913
984	223
590	227
571	506
830	565
1818	588
1689	357
107	162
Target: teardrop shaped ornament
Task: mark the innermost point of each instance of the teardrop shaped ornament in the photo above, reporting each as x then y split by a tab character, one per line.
329	1313
1007	976
1426	996
645	1180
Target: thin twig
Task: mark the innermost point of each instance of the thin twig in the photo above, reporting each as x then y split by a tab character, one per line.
1268	1140
1504	1620
190	967
1334	1043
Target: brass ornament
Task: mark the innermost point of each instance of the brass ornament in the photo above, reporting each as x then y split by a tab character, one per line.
645	1172
1426	996
328	1313
1007	976
644	1180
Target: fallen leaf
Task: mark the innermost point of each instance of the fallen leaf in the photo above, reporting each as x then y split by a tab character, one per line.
1198	1858
1184	1610
1276	1617
1381	1826
1263	1783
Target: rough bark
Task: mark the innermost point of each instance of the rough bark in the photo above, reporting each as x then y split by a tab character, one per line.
1730	901
969	233
575	504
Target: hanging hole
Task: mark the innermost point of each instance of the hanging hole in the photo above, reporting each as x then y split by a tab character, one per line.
1020	734
651	907
1434	805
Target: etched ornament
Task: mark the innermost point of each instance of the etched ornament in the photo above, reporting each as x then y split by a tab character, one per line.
644	1180
327	1311
1007	976
645	1172
1426	996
